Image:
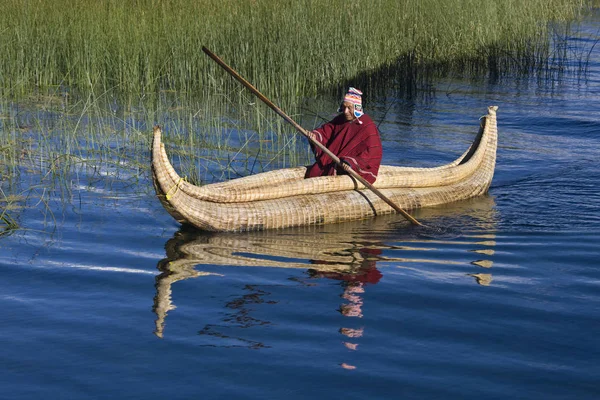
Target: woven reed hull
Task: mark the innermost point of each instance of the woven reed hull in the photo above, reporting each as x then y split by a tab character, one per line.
280	199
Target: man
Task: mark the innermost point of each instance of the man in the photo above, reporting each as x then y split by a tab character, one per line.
353	137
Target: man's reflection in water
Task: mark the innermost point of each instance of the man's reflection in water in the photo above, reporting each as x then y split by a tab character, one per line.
354	284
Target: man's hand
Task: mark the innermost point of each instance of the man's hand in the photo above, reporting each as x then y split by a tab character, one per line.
312	135
345	166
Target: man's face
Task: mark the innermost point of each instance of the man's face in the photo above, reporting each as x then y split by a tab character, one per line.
348	110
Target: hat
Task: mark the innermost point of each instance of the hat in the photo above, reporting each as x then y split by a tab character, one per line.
354	96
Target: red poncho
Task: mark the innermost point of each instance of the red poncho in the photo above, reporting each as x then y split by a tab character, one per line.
357	144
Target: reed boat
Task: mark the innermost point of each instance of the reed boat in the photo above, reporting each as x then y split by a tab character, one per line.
284	198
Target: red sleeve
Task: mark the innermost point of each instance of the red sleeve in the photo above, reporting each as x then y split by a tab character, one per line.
323	134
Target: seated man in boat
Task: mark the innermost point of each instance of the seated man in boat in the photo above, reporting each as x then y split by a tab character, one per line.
353	137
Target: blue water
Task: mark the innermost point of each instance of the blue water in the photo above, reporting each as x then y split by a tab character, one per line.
106	296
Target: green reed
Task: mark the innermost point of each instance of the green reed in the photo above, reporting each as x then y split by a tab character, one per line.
287	48
8	223
9	153
65	142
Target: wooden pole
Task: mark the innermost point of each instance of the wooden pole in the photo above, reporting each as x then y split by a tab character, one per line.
303	131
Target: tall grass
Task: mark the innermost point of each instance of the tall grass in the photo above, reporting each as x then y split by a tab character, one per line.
287	48
8	224
9	153
61	141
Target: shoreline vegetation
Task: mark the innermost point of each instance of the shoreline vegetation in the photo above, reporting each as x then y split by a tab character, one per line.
82	82
287	47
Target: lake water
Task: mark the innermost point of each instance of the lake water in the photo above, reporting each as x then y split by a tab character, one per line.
106	296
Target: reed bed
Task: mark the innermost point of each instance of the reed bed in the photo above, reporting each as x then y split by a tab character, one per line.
287	48
66	143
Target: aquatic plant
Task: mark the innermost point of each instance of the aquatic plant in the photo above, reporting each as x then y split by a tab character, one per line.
7	222
288	48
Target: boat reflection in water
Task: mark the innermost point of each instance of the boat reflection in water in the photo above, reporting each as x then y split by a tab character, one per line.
357	254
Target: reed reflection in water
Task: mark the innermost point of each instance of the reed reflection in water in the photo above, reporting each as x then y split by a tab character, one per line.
357	254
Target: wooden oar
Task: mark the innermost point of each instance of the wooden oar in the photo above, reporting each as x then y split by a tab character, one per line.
303	131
